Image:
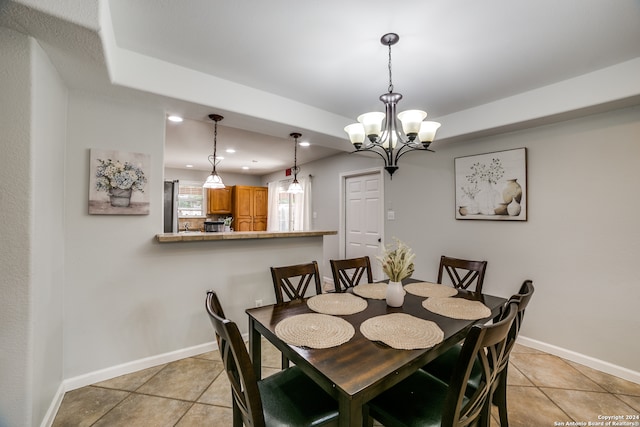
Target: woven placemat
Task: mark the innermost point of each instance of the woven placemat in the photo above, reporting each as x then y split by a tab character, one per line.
338	304
428	289
402	331
371	290
314	330
457	308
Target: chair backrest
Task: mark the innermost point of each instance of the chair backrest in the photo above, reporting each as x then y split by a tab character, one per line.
522	298
489	344
237	364
463	273
294	280
347	273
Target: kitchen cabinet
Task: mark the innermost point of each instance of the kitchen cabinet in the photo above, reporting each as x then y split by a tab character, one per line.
249	208
219	201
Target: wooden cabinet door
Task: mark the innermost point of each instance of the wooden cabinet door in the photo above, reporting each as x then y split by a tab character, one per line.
260	208
219	201
249	208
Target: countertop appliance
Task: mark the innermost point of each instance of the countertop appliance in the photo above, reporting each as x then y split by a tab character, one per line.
213	226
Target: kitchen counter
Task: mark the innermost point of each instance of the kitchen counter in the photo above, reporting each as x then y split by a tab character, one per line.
193	236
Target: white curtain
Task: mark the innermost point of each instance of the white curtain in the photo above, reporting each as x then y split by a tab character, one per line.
302	206
272	215
296	219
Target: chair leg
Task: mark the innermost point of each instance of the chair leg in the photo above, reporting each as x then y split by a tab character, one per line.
237	415
485	415
500	398
367	419
285	362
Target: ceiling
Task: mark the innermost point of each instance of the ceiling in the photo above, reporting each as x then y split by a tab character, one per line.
280	66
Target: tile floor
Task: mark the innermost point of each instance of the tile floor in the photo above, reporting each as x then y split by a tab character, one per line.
544	390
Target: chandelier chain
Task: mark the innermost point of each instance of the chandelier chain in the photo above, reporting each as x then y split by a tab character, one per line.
390	81
215	143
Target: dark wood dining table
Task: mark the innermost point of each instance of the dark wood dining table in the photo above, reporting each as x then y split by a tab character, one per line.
357	371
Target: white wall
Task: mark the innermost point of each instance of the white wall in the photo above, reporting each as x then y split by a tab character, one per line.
128	297
325	182
580	245
33	123
15	254
229	179
48	139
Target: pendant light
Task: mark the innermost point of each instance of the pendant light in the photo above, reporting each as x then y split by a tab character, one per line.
214	180
295	187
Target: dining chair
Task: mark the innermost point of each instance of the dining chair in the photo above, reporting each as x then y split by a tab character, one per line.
443	367
463	273
294	280
286	398
424	400
347	273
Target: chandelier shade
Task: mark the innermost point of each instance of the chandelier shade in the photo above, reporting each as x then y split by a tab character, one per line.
214	180
295	187
379	132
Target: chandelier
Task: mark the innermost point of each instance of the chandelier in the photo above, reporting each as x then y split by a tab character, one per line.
295	187
214	180
383	136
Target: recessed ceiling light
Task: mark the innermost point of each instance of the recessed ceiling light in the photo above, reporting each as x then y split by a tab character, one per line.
245	167
189	166
304	144
174	118
230	150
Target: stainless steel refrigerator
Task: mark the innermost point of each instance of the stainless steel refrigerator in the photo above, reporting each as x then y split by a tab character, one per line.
171	206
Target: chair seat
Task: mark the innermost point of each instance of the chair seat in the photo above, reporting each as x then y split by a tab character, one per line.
442	368
290	398
416	401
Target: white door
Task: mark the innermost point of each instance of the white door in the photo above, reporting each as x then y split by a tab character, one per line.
363	218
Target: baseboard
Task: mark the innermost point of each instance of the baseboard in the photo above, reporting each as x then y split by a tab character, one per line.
600	365
136	365
50	416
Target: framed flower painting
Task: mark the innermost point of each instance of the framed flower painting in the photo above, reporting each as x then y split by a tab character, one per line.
492	186
118	183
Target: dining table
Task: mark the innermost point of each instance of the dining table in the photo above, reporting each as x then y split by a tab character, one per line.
359	369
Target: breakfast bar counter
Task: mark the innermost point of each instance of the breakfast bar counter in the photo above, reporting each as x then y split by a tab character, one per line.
237	235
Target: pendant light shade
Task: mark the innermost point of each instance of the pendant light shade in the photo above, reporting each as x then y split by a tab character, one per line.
214	180
295	187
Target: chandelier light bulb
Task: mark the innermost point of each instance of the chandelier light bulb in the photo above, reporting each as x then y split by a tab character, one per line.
372	123
411	121
356	134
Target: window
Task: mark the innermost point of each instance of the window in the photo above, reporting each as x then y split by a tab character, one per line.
191	200
286	207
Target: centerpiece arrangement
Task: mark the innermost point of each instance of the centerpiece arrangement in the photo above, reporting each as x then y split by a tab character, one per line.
119	180
397	264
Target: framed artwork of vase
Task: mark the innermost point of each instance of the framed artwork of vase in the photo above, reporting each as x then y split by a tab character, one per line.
118	183
492	186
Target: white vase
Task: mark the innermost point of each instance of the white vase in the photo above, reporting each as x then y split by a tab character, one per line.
514	208
487	198
395	294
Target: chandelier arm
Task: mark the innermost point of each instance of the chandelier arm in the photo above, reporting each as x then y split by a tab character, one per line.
400	152
385	157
